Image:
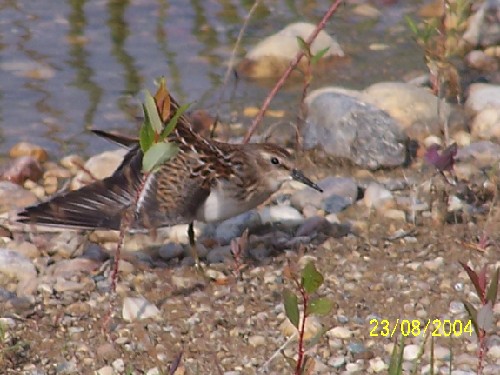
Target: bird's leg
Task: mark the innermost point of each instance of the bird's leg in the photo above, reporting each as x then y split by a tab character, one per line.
192	246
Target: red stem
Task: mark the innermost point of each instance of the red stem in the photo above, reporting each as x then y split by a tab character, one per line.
300	357
321	25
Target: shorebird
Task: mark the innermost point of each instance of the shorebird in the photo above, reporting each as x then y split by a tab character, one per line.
207	180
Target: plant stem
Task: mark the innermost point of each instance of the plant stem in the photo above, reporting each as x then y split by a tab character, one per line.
300	357
321	25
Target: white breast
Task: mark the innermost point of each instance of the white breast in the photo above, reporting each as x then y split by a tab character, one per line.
221	204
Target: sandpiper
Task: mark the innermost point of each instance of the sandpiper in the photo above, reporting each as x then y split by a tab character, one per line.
207	181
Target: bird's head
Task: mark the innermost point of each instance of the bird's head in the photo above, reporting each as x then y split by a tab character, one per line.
276	166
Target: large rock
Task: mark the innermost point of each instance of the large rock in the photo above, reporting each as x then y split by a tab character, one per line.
271	56
415	108
16	265
346	127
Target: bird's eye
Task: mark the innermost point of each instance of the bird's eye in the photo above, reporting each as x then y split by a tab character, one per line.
274	160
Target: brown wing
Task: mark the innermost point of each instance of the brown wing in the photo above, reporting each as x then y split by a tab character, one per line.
157	200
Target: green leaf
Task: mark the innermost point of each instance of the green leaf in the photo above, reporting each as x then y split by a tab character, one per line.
491	295
157	154
396	362
173	121
320	306
411	25
291	307
471	310
151	111
146	134
303	45
319	55
311	278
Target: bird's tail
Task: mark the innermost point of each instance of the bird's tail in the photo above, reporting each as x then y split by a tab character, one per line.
99	205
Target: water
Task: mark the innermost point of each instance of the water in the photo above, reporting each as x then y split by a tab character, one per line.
67	66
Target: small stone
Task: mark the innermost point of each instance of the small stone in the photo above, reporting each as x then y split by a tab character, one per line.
235	226
67	244
494	352
456	307
411	352
69	267
15	197
16	265
434	264
281	214
138	308
219	255
119	365
353	367
62	285
339	333
257	340
337	362
377	365
153	371
171	250
312	327
106	370
73	163
28	149
22	169
378	197
27	249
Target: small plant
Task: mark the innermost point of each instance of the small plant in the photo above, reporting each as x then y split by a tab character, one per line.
482	318
306	285
441	40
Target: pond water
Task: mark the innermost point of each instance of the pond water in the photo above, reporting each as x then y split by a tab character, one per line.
67	66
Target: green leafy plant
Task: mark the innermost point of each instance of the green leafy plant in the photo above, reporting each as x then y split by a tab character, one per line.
156	129
441	40
306	285
482	318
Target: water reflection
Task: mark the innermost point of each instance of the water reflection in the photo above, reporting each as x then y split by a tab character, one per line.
68	66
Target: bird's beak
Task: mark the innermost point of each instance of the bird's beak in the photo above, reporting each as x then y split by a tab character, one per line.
299	176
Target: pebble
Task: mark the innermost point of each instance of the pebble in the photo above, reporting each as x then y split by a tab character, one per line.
337	362
138	308
67	244
434	264
494	352
16	265
312	327
106	370
257	340
219	255
235	226
377	365
411	352
378	197
22	169
339	333
283	214
70	267
119	365
28	149
14	197
483	96
171	250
